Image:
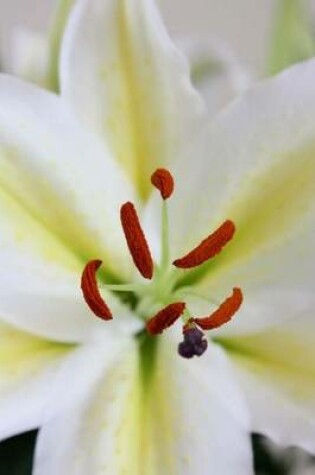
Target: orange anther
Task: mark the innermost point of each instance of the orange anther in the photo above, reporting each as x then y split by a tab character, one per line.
208	248
165	318
224	313
163	181
136	240
91	293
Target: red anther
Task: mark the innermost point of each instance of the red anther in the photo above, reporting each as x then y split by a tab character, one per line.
91	293
136	240
165	318
163	181
208	248
224	313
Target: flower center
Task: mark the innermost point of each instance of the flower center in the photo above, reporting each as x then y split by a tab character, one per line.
160	303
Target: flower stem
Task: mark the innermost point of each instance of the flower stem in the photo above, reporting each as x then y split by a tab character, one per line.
165	251
122	287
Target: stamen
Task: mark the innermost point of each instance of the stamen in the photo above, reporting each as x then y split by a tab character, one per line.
91	292
136	240
208	248
163	181
165	318
224	313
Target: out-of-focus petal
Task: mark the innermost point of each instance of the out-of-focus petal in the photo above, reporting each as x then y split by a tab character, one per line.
215	71
124	77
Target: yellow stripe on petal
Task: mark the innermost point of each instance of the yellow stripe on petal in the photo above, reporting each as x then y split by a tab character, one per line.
140	419
23	356
28	366
128	82
276	370
282	357
273	207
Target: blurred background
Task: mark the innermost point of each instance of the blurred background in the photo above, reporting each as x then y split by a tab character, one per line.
244	24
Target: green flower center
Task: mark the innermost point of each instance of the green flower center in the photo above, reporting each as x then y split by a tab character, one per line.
160	299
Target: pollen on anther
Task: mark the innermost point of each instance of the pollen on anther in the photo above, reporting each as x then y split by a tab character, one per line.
163	180
208	248
165	318
136	240
91	292
223	314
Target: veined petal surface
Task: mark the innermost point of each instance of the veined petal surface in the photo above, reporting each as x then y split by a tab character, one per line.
177	419
125	79
60	174
28	366
276	370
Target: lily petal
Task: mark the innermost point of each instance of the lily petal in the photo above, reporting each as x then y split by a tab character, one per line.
27	368
259	148
177	419
61	174
40	299
255	166
276	370
95	416
124	77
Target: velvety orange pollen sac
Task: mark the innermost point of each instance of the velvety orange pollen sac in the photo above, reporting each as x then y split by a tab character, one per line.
223	314
165	318
163	180
136	240
208	248
91	292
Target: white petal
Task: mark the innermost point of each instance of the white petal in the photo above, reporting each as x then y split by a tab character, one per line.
43	300
61	174
255	165
277	372
198	415
125	78
188	418
96	415
27	368
266	134
215	71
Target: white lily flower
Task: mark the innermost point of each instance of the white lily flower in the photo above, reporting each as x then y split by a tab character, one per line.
110	399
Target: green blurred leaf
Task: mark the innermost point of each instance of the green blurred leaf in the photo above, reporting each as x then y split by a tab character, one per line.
58	25
293	38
